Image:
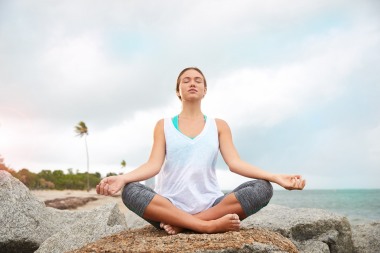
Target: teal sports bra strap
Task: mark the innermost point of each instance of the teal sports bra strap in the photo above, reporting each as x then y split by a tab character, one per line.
175	121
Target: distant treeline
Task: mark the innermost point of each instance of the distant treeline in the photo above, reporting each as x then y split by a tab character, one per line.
57	179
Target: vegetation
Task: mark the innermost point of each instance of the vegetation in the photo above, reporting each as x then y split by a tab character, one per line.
57	179
82	130
123	164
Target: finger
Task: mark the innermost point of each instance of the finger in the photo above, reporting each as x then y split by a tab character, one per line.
294	182
303	183
107	190
97	189
300	184
297	176
101	188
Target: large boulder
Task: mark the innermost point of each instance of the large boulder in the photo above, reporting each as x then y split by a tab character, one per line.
366	237
312	230
149	239
98	223
26	222
134	221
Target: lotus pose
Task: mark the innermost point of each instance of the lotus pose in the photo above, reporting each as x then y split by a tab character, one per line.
183	156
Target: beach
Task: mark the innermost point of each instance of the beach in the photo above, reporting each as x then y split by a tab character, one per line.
44	195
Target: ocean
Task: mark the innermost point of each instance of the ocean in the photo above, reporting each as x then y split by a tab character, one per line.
358	206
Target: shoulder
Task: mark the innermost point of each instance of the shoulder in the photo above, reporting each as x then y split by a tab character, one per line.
160	125
222	125
160	122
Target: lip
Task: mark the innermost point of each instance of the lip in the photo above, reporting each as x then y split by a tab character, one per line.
193	90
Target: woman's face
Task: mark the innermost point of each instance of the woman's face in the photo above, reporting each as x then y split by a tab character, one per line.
191	86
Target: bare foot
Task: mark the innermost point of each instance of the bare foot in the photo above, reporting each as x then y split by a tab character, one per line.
229	222
171	230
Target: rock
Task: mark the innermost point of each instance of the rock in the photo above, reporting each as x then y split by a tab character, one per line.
134	221
149	239
99	222
366	237
24	224
312	230
68	203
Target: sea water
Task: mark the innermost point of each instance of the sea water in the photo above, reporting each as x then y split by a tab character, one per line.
357	205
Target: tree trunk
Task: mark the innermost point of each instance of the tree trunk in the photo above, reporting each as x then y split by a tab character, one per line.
88	165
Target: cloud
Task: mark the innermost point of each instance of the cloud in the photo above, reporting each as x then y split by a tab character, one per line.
266	96
113	65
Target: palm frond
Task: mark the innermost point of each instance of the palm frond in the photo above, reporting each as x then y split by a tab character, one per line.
81	129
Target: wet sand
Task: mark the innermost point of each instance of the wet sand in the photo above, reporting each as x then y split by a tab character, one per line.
44	195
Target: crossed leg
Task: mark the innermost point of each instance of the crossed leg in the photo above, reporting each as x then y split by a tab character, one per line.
214	221
229	205
245	200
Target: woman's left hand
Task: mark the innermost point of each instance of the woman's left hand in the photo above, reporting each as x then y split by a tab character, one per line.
291	182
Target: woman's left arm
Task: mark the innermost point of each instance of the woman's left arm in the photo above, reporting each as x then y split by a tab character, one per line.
238	166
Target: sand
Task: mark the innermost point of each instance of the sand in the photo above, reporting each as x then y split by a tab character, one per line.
43	195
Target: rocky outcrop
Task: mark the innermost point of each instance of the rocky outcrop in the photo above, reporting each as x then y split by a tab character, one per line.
312	230
26	222
149	239
100	222
27	225
134	221
366	237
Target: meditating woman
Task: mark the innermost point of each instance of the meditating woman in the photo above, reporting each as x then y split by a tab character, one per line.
183	156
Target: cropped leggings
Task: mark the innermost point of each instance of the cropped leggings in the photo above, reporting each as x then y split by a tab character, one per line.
252	195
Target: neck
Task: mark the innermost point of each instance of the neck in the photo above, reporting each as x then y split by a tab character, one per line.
191	110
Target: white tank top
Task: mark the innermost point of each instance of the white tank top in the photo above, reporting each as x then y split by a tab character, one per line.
188	177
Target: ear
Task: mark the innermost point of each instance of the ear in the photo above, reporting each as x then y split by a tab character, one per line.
205	91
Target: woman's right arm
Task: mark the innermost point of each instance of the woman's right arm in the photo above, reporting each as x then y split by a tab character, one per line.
113	184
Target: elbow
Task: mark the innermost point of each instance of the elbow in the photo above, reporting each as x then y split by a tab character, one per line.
156	167
233	166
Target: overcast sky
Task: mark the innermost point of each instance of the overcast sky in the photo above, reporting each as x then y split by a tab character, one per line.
297	81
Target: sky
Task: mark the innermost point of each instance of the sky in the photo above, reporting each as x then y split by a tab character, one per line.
297	81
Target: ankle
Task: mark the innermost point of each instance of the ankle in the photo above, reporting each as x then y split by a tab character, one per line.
206	227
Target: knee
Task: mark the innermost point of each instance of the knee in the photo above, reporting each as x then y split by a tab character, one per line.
128	193
266	188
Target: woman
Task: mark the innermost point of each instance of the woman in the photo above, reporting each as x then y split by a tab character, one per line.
184	152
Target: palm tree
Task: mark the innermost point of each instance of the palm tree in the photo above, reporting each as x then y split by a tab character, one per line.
82	130
123	164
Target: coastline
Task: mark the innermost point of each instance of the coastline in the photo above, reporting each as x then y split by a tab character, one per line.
280	198
44	195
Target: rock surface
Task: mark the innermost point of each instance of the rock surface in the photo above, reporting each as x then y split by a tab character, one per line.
100	222
149	239
25	223
366	237
134	221
312	230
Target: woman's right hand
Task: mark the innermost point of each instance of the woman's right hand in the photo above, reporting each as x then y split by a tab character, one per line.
110	185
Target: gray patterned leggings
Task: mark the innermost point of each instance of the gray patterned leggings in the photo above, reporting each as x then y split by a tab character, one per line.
252	195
